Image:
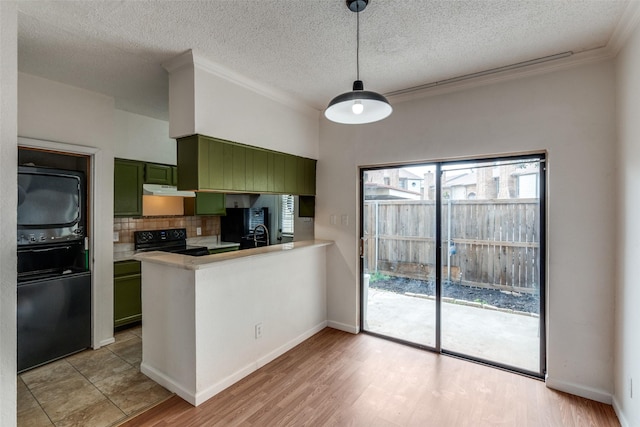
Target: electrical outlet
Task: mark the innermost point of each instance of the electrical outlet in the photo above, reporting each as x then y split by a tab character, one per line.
116	236
258	330
631	388
198	231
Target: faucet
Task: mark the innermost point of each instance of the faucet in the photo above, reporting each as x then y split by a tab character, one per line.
255	235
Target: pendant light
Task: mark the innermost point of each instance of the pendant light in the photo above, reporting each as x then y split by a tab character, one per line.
358	106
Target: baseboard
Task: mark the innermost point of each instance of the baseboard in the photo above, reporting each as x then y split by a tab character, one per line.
106	342
619	413
343	327
200	397
289	345
168	383
580	390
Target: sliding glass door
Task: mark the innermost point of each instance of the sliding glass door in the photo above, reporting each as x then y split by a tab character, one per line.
399	254
452	258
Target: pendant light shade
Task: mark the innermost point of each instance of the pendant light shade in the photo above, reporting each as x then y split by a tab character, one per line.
358	106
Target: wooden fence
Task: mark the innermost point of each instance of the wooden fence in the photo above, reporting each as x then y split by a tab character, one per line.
494	243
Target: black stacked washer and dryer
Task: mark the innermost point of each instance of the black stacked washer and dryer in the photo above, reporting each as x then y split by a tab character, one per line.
54	281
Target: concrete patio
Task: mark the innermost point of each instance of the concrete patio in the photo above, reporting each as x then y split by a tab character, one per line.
506	338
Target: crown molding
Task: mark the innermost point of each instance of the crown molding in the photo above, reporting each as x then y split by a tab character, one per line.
439	88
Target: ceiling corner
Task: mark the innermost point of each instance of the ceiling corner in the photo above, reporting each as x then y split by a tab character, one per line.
628	23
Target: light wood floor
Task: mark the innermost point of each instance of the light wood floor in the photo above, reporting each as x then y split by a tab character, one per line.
340	379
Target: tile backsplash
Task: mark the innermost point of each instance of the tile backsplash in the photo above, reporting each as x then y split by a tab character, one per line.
125	227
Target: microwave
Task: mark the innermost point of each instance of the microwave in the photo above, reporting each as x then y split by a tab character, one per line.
51	205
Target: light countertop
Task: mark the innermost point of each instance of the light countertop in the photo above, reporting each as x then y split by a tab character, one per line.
187	262
126	251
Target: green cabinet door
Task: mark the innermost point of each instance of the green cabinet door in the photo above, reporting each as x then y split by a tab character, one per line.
127	301
212	171
192	163
205	204
249	171
290	174
128	178
158	174
174	175
260	171
279	177
309	187
239	169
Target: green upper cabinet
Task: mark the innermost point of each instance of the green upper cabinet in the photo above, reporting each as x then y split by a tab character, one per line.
239	169
127	185
277	173
260	170
205	204
290	174
174	175
158	174
309	188
206	163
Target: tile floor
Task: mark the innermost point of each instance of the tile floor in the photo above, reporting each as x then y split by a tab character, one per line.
90	389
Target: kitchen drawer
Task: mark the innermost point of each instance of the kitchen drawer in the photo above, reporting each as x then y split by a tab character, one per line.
124	268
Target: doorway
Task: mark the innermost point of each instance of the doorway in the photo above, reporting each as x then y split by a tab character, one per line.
452	258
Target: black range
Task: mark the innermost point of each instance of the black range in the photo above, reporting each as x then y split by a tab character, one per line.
172	240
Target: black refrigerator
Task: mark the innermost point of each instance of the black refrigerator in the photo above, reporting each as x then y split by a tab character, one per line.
239	223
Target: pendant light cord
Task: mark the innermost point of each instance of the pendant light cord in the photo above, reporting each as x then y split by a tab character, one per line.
358	44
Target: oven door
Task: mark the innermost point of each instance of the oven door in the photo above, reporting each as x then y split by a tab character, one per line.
50	259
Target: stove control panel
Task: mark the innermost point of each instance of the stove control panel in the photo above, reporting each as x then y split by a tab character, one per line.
160	236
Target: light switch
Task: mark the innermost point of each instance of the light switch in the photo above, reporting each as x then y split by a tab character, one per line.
344	220
333	219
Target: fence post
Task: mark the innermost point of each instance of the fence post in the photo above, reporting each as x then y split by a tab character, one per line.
376	236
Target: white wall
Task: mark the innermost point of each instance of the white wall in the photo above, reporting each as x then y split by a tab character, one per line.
627	319
228	111
143	138
52	111
232	108
78	120
8	203
570	114
199	332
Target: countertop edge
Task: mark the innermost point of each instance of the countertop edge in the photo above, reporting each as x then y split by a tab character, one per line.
129	253
186	262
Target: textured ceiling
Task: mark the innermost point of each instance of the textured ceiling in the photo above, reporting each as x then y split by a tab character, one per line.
301	47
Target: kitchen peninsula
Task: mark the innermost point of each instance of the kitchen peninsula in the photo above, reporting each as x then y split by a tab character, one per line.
211	320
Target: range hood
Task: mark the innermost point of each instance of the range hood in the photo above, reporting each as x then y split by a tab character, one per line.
165	190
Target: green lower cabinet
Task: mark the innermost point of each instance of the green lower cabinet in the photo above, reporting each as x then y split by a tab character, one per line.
127	301
205	204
